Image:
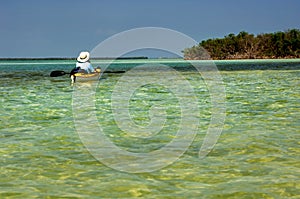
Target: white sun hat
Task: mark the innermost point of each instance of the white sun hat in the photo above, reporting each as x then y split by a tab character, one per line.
83	57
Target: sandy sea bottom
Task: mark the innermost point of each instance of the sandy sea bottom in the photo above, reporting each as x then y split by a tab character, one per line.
42	155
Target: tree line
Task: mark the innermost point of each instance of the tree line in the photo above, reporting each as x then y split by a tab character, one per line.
248	46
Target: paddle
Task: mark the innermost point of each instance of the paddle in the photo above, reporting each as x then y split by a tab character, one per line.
58	73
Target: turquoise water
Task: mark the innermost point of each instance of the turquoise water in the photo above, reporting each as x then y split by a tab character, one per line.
256	156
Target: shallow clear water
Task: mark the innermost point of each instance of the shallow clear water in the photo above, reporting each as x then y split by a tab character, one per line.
256	156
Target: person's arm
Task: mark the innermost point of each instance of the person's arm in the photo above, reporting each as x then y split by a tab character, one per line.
91	68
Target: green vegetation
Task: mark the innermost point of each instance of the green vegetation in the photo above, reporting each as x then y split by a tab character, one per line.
247	46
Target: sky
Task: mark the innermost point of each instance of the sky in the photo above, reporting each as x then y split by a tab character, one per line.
63	28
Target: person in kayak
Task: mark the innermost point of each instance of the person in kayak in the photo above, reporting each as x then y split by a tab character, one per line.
82	65
83	61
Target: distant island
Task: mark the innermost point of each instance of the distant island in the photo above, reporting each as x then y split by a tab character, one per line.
278	45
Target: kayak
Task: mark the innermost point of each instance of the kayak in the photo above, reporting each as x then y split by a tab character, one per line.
80	76
84	77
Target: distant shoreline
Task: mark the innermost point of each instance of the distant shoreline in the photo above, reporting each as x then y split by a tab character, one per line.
68	58
177	63
140	58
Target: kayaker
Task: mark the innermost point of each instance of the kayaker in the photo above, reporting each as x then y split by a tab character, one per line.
83	61
83	65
